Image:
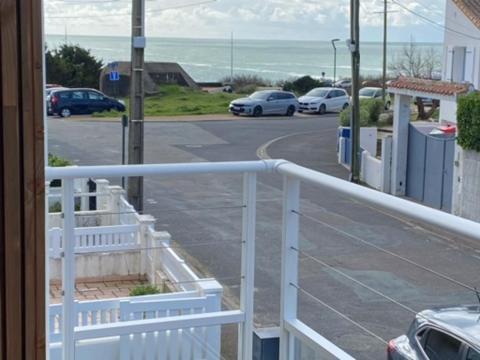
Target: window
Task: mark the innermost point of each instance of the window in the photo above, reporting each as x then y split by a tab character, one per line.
440	346
78	95
63	95
458	64
340	93
472	355
92	95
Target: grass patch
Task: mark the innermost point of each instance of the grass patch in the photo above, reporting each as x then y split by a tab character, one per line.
141	290
174	100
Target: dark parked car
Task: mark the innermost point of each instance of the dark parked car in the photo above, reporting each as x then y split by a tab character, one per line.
66	102
451	333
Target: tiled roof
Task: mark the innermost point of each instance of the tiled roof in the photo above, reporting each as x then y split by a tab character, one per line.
430	86
471	9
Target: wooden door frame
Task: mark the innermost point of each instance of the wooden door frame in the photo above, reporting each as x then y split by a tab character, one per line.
22	182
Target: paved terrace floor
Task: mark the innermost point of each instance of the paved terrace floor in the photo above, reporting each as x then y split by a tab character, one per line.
97	289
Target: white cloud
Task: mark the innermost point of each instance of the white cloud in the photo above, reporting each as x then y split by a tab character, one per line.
312	19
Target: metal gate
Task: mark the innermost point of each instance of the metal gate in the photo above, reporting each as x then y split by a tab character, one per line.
430	167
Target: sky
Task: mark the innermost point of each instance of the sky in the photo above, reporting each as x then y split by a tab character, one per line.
312	20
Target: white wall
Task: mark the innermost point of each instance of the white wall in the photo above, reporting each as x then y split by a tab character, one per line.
466	184
448	111
455	19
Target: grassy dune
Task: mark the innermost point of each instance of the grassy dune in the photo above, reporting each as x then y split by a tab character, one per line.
173	100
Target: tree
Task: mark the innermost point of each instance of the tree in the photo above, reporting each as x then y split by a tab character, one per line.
72	66
417	63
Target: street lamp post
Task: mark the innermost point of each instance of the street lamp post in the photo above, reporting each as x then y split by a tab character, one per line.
334	60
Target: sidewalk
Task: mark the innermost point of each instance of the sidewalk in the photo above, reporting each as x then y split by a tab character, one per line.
180	118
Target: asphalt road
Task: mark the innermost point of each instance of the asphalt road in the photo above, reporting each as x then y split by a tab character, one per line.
332	236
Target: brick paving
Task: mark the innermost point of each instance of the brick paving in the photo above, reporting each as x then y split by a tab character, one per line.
96	289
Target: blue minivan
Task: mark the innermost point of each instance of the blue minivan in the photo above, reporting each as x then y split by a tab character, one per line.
66	102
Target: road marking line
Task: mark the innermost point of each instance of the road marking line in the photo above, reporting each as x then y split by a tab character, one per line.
262	152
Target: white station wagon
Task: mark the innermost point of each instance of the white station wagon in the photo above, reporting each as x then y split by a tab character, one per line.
322	100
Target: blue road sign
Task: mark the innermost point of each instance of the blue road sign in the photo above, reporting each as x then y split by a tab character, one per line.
114	76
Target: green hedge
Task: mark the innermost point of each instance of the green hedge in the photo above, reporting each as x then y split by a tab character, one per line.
468	121
370	110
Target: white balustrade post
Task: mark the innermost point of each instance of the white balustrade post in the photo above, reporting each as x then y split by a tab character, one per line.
68	270
103	199
214	290
160	240
146	223
116	193
290	245
84	200
248	266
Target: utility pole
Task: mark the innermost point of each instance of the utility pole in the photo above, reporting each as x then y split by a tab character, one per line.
136	132
355	120
384	75
231	59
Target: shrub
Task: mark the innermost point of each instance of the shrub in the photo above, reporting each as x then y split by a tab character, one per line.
241	81
374	108
370	110
303	85
385	119
57	161
345	117
247	89
55	207
468	121
141	290
72	66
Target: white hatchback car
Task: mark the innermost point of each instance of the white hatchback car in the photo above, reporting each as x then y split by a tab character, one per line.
322	100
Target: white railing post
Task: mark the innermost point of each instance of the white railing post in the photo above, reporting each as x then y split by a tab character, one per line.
290	232
68	270
144	242
115	196
55	243
248	265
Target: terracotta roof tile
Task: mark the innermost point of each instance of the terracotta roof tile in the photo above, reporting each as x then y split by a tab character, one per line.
471	9
430	86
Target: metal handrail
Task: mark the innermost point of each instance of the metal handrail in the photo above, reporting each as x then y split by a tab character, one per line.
416	211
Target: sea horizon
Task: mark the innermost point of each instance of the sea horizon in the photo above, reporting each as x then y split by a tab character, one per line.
209	60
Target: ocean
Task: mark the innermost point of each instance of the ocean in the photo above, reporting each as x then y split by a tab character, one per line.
209	59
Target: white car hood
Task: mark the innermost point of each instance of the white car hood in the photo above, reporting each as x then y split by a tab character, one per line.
310	99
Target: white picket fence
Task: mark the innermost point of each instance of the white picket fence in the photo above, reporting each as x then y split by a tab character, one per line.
96	239
186	343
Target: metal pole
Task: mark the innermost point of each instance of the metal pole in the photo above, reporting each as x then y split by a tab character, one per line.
334	61
334	64
136	131
68	270
231	59
124	126
355	121
384	77
247	283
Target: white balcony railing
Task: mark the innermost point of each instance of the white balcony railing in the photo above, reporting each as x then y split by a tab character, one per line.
292	328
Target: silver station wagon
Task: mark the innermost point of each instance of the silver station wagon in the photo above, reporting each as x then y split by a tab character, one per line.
266	102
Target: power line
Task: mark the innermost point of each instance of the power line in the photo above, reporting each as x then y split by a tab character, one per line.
339	313
341	273
110	15
388	252
433	22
